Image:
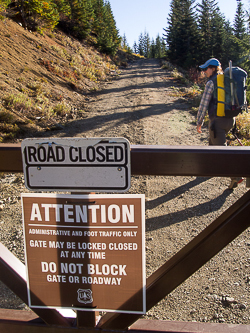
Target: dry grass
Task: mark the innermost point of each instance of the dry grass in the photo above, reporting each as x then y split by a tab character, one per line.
243	130
46	81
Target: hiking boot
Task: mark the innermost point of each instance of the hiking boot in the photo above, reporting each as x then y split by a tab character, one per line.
234	182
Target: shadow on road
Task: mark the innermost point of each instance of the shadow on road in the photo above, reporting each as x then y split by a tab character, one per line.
174	193
215	204
137	108
96	122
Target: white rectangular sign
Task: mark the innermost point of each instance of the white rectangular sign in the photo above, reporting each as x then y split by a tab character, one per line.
77	164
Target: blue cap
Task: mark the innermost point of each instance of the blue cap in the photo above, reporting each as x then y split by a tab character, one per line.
210	62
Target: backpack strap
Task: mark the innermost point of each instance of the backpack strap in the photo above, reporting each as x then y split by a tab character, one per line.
236	96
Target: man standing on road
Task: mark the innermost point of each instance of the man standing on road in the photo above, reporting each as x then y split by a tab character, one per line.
218	126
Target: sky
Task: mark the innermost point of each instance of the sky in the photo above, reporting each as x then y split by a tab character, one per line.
134	17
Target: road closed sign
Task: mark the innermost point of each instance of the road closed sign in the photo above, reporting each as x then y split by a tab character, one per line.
77	164
85	252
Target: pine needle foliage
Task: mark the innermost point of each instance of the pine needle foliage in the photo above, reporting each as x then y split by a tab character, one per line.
90	20
196	32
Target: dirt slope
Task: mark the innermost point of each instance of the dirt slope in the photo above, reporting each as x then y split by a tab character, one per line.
45	80
141	106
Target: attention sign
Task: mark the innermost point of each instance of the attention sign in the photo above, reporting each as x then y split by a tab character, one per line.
85	252
77	164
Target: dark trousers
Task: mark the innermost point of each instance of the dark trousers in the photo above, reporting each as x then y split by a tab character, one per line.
218	129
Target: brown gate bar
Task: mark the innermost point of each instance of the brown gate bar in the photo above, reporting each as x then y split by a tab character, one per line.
16	321
12	274
189	259
164	160
190	161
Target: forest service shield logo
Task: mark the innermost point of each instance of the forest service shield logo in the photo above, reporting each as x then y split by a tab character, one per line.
84	296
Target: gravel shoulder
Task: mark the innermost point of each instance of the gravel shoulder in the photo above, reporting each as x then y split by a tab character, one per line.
140	106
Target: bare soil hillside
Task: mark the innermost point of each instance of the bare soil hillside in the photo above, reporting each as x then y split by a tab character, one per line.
45	81
147	106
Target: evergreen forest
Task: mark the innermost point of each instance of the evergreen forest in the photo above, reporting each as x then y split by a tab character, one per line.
89	20
194	31
197	32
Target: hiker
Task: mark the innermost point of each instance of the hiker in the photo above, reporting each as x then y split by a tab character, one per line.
218	126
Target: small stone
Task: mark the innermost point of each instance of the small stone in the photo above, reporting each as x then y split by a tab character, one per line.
22	306
215	297
230	300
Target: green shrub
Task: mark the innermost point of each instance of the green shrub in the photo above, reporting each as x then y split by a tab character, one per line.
6	117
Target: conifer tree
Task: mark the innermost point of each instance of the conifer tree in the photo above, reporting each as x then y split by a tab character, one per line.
152	53
241	42
84	19
63	7
150	49
171	32
217	35
181	34
146	45
228	45
38	15
160	47
135	48
80	13
98	23
206	10
104	27
112	33
124	43
240	21
141	45
4	4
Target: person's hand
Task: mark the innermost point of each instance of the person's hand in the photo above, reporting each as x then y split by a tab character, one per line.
199	128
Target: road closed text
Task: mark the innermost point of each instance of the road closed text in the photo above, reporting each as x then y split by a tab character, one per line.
62	154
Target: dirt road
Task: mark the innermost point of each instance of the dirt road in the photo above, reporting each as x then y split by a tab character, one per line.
141	106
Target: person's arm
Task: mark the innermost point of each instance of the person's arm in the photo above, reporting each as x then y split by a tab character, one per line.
206	97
